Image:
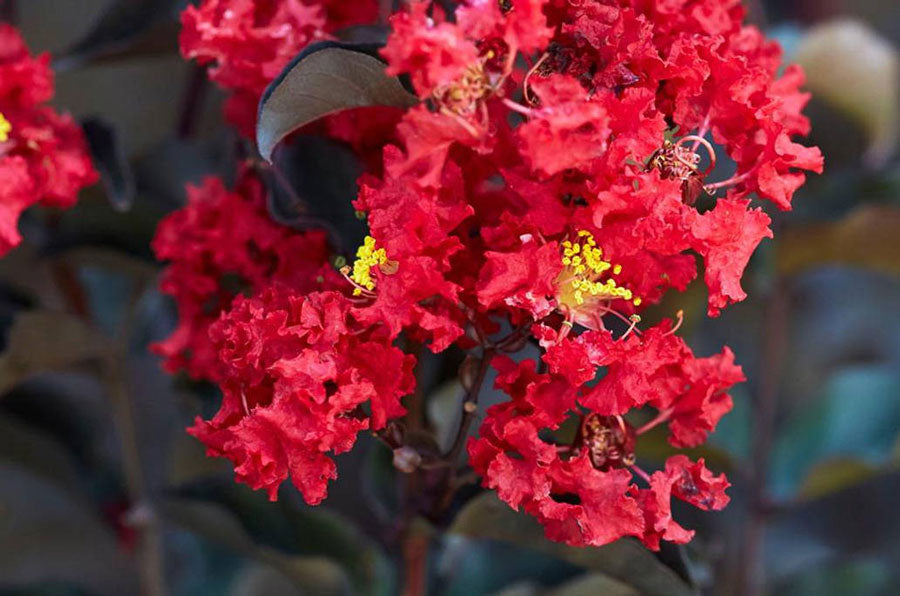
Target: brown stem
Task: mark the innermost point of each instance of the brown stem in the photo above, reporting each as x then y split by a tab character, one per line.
470	406
415	415
774	347
415	558
192	101
149	545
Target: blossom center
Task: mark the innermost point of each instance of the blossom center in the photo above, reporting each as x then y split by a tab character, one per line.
463	97
675	161
587	279
608	440
367	257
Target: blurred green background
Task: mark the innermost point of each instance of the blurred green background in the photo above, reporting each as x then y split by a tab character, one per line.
102	492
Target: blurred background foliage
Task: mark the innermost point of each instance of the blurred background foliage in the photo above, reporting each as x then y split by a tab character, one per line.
102	492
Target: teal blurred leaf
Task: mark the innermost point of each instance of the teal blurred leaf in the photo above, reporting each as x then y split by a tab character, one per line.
857	414
859	521
277	533
486	517
847	577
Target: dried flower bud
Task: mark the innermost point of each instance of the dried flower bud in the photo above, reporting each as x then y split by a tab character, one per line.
468	371
407	459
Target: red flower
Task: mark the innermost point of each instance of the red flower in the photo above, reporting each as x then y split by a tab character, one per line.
726	237
296	373
222	244
43	155
584	493
557	197
571	120
435	53
688	481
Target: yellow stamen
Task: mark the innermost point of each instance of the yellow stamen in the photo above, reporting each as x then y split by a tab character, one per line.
367	256
5	129
584	268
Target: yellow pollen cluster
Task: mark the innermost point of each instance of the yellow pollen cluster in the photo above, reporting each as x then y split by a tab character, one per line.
367	256
5	129
584	268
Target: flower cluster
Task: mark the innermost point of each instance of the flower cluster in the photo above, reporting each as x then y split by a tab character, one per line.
550	203
301	378
43	155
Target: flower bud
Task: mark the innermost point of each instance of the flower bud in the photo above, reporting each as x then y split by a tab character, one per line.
407	459
468	371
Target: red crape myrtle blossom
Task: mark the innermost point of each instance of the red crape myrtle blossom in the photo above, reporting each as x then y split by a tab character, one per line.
614	118
248	42
585	492
220	244
583	171
298	371
43	155
548	201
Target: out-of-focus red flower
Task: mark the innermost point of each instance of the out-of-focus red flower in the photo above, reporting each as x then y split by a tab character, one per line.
221	244
43	155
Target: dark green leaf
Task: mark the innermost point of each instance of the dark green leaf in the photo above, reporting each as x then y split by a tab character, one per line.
593	584
857	521
46	536
865	238
315	186
123	22
38	452
163	171
625	560
324	78
283	527
42	341
467	566
216	523
369	34
110	161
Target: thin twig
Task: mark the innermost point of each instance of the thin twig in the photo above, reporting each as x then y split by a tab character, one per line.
415	556
470	406
145	521
192	101
774	346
